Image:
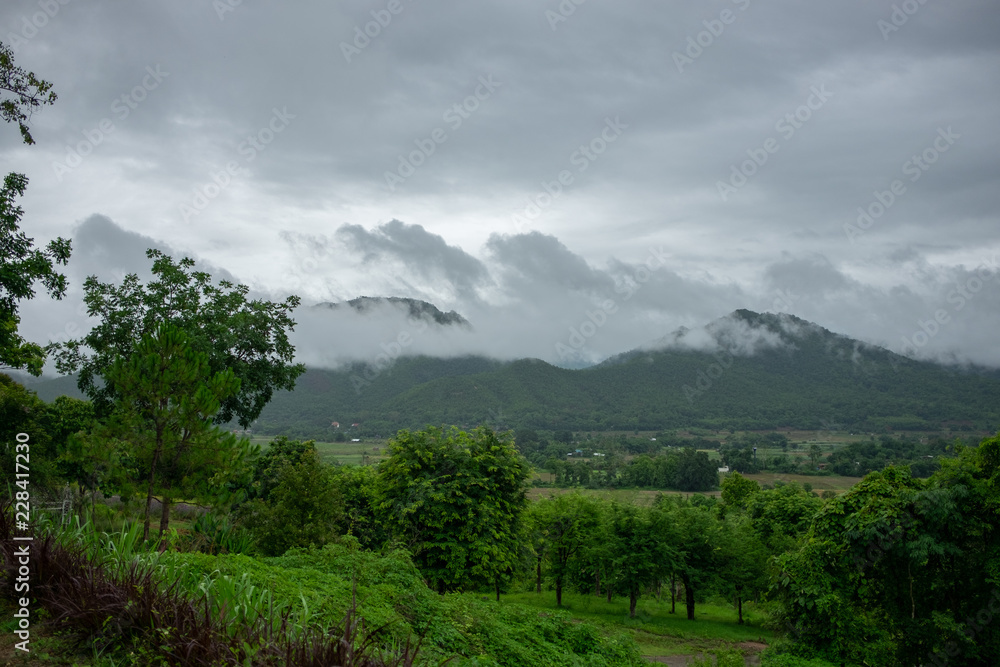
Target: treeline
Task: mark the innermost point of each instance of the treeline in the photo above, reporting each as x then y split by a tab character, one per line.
897	571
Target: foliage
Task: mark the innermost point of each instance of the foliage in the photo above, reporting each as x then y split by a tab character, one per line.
897	557
643	549
819	377
300	510
456	500
21	266
247	338
561	528
167	399
21	411
737	490
28	93
122	605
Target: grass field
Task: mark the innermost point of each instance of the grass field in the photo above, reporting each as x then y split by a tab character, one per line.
369	450
655	629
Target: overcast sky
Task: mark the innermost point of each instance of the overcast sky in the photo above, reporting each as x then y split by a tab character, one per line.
533	165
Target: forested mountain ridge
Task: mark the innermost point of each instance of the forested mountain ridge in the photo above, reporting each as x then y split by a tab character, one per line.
744	371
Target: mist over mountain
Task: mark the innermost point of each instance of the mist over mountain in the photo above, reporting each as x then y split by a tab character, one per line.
746	370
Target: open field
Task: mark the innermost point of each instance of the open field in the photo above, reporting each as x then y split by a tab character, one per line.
655	629
369	450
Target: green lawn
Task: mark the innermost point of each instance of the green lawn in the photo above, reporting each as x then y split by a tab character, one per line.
655	629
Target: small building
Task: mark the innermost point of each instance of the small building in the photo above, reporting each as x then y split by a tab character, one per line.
335	424
723	470
355	439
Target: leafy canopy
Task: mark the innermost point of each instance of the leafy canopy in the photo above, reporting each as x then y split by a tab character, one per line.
248	337
456	499
24	93
21	264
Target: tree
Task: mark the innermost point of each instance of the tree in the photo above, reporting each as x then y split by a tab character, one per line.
745	558
21	411
168	396
698	542
302	508
456	500
737	490
642	549
21	264
249	338
564	525
28	91
695	471
902	571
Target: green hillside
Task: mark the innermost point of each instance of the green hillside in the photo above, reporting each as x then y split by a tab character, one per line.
810	379
794	374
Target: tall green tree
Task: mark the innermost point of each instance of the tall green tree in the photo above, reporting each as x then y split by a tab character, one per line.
301	509
902	571
21	264
563	525
168	397
456	499
247	337
642	547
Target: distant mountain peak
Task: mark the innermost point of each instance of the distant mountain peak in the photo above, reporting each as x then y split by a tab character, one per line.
415	309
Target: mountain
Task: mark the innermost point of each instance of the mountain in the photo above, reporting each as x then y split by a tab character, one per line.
414	308
744	371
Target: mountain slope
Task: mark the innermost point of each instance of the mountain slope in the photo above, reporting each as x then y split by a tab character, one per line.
744	371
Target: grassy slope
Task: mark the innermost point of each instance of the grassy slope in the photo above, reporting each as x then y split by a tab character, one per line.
657	631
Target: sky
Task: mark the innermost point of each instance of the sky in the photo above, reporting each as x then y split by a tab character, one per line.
576	178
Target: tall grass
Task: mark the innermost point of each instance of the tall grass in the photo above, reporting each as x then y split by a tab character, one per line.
109	592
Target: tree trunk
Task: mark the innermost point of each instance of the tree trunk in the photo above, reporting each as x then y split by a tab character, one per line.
632	598
597	582
609	592
673	593
688	595
149	493
739	606
558	591
164	522
498	588
538	576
